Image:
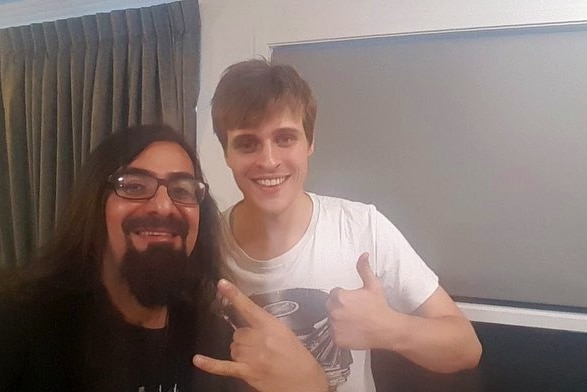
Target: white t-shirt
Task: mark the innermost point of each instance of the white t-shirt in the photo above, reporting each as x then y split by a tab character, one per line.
326	257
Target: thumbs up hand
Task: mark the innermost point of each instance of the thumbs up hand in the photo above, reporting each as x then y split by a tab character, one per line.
359	318
266	354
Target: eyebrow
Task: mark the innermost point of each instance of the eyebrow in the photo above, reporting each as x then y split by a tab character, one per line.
252	134
244	136
136	170
288	129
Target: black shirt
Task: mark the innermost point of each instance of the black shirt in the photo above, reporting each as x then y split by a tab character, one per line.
81	343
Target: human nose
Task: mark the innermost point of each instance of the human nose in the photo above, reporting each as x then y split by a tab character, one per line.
161	202
268	156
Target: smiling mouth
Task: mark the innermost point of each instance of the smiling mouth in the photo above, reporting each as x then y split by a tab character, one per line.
270	182
147	233
155	228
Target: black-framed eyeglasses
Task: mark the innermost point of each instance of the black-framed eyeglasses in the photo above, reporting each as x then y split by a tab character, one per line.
142	186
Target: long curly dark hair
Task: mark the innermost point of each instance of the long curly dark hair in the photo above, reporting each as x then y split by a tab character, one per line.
70	262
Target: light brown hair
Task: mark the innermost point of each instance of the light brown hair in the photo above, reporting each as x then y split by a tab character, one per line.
251	90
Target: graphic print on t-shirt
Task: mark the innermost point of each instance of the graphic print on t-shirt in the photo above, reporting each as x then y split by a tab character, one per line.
304	312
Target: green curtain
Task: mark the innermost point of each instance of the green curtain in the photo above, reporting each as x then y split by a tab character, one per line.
65	85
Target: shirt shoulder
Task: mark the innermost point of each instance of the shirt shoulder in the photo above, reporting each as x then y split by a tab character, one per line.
338	206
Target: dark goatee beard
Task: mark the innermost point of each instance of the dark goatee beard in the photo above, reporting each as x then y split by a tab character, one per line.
155	276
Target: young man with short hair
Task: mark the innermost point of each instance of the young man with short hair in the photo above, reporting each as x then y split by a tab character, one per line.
289	240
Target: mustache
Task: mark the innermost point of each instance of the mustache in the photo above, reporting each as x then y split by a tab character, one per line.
154	222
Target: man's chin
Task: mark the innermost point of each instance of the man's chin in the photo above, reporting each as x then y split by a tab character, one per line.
155	275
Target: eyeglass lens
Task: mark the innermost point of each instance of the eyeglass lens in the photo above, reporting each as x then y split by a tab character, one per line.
141	186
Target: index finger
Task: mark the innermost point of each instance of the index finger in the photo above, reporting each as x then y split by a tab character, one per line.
219	367
249	311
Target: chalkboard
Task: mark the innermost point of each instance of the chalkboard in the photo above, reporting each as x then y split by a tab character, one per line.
473	143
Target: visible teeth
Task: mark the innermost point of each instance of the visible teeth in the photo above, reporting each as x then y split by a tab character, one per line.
270	181
154	234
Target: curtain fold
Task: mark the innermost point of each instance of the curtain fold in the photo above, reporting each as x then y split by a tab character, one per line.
66	85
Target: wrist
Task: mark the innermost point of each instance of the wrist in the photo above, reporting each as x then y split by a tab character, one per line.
392	331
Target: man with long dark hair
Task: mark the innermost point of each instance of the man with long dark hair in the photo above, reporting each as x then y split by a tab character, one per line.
116	299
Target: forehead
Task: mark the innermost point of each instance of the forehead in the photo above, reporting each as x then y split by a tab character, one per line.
162	158
276	119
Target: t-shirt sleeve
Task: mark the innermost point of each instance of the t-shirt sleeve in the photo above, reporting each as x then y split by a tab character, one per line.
406	279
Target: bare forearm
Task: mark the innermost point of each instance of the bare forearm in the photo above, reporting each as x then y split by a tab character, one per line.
444	344
437	337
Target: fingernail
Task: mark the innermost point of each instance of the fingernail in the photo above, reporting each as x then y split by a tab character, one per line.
223	283
199	360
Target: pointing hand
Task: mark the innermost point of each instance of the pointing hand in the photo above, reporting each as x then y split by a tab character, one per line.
266	354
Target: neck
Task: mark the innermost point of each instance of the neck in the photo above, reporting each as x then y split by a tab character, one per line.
127	304
265	236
